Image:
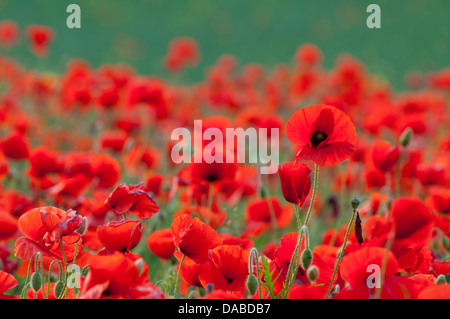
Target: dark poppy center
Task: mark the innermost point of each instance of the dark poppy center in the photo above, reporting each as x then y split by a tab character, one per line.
317	138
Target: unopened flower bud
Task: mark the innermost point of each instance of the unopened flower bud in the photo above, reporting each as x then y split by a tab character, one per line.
355	203
312	273
405	138
252	284
263	192
307	257
83	227
441	280
358	229
447	278
58	289
446	243
139	265
36	281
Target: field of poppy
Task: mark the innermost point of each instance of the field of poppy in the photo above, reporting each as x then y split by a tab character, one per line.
94	205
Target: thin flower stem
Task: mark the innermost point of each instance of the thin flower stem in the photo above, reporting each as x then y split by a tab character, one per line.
293	265
24	290
178	278
316	177
340	254
50	272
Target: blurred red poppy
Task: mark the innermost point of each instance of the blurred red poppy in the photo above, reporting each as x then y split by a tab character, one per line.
384	155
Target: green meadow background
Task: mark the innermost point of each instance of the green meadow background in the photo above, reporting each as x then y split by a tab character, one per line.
414	35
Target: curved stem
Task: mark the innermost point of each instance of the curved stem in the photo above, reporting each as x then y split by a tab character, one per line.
50	272
178	277
340	254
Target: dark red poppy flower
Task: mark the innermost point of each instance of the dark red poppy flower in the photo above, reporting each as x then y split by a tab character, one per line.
325	134
40	38
106	169
413	222
120	235
194	238
228	268
160	242
385	155
295	182
44	161
430	174
132	198
44	227
16	146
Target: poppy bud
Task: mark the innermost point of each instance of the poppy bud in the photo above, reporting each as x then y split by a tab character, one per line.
58	289
447	278
36	281
252	284
139	265
441	280
358	229
355	203
295	182
312	273
263	192
307	257
446	243
405	138
83	227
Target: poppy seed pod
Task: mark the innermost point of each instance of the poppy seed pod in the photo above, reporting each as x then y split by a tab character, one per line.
252	284
36	281
295	182
307	258
58	289
355	203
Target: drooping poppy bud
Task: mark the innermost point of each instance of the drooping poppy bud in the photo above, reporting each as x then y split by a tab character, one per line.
385	155
252	284
58	289
295	182
358	229
36	281
307	257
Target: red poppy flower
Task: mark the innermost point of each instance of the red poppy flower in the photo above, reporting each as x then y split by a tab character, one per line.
120	235
16	146
113	276
435	292
44	161
106	169
132	198
9	32
7	282
413	222
40	37
228	268
160	242
430	174
295	182
260	212
353	267
43	228
8	226
325	134
439	199
384	155
193	237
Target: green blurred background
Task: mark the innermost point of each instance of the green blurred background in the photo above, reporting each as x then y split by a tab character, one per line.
414	35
